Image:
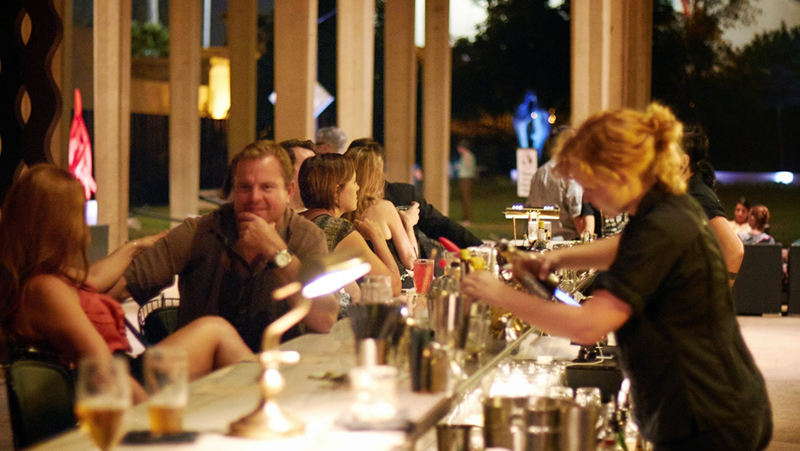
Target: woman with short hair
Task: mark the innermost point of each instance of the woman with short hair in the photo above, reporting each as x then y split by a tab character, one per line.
328	188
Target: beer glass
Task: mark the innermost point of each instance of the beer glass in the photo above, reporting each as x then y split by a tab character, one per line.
166	381
102	394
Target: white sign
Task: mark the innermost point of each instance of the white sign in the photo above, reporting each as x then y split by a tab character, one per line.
527	163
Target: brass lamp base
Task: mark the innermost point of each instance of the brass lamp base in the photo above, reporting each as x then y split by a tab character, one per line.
267	422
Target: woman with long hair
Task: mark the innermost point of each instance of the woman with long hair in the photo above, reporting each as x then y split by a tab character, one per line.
52	299
329	190
371	205
741	216
663	289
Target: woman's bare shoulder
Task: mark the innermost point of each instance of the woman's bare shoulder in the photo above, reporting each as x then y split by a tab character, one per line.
45	288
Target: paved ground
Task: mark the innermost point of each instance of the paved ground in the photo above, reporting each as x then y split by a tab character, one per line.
774	341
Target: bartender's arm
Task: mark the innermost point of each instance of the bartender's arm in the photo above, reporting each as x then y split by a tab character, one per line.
588	324
598	255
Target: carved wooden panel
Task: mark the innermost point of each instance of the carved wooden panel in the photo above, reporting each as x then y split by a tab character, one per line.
25	70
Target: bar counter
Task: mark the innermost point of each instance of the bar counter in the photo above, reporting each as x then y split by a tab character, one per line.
227	394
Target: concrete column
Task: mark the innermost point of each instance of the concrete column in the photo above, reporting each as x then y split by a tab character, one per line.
400	90
436	82
639	64
185	19
611	55
242	42
295	68
112	80
355	66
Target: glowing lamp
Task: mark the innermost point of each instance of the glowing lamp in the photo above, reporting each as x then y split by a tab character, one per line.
317	277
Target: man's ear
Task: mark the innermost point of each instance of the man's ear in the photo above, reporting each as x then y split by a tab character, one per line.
684	163
290	188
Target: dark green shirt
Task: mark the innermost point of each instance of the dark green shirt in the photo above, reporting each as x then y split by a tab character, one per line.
689	368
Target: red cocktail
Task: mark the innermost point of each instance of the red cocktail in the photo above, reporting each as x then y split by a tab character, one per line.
423	275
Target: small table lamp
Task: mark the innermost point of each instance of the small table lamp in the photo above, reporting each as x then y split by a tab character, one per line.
317	277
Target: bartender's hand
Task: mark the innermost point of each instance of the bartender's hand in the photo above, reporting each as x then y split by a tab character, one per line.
482	285
257	236
538	264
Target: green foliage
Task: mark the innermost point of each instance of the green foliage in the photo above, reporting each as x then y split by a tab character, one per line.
149	40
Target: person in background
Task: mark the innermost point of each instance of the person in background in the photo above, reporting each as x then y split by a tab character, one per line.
371	205
741	216
231	260
663	289
466	172
430	223
329	189
331	140
701	181
55	302
549	189
298	152
759	220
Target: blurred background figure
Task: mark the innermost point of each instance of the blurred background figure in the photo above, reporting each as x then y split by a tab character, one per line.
298	152
759	221
530	124
331	140
741	216
466	172
549	189
700	183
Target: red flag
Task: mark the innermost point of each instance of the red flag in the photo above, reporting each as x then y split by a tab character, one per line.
80	150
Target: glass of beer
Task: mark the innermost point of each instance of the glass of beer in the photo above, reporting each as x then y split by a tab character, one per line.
102	394
423	275
166	378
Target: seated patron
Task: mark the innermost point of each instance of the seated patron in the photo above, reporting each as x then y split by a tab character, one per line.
759	218
741	216
371	205
430	223
232	259
298	152
54	302
328	186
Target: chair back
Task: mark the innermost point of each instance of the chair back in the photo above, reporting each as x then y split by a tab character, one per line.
158	318
759	285
41	399
794	280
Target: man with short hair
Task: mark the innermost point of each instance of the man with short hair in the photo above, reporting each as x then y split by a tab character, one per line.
231	260
331	140
298	152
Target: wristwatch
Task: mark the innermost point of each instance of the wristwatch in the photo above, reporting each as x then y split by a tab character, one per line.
281	260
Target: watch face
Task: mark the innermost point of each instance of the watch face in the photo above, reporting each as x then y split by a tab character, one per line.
283	258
